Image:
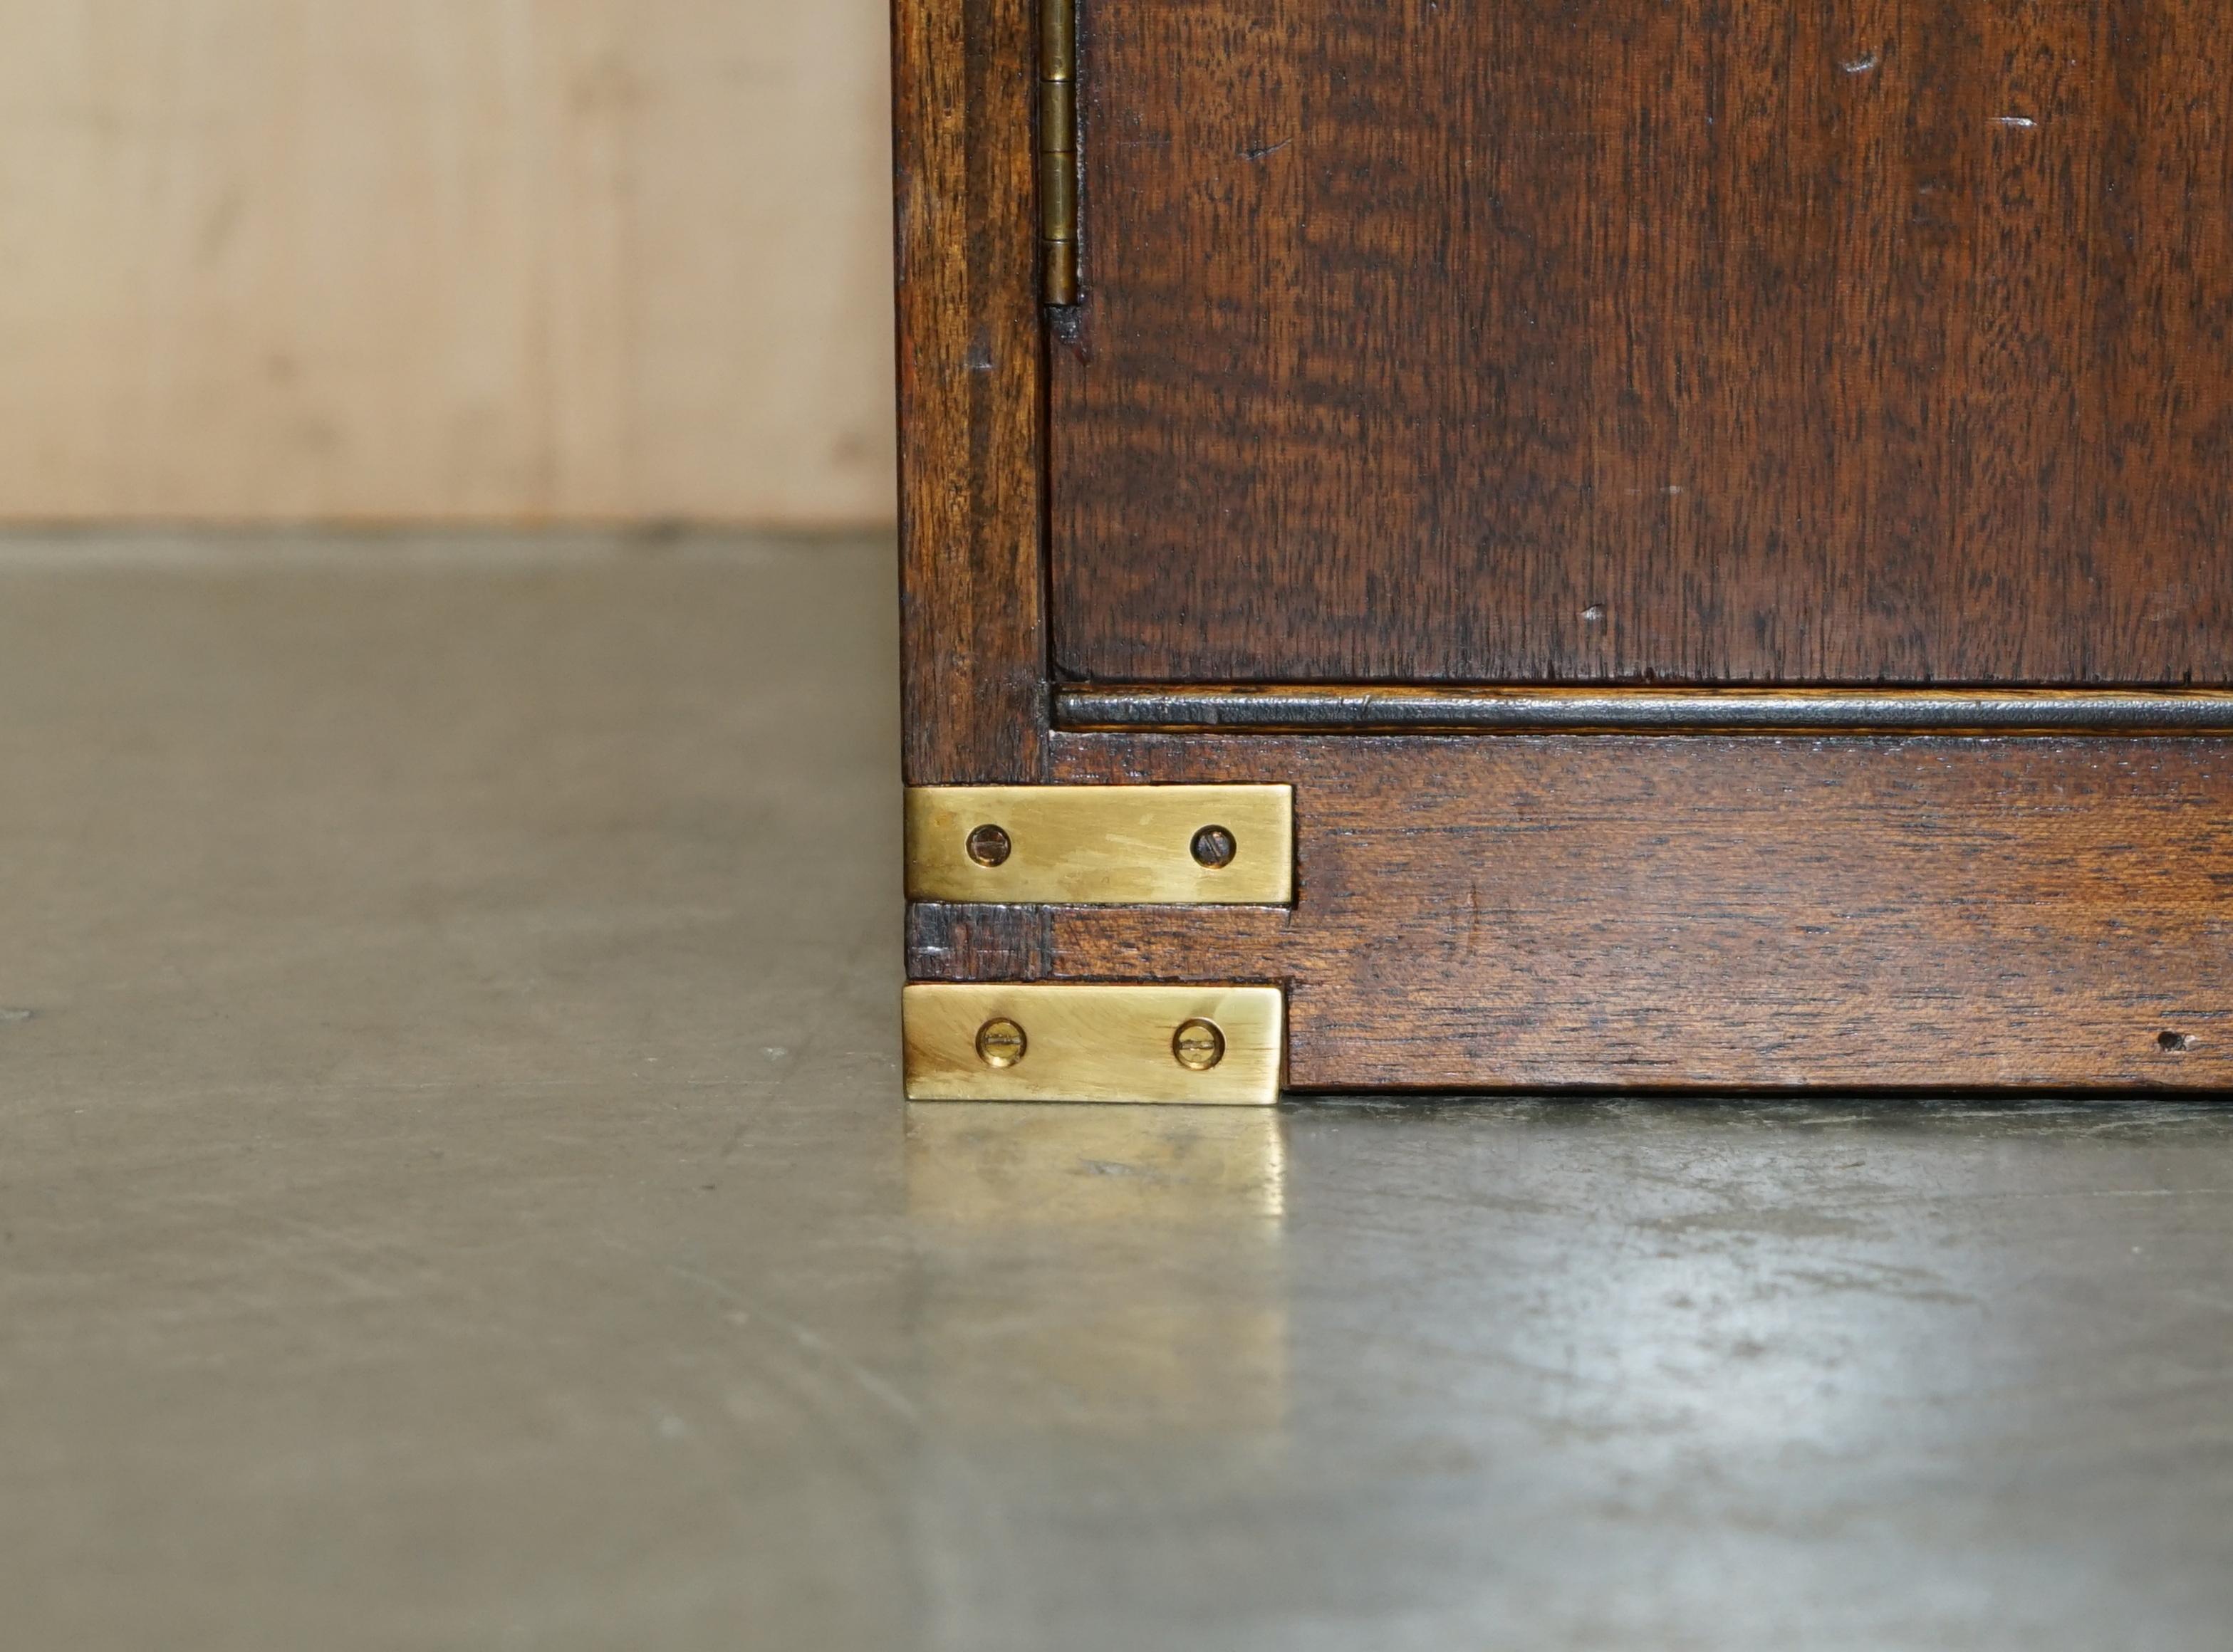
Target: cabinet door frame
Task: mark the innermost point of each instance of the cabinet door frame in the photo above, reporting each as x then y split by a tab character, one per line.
1884	893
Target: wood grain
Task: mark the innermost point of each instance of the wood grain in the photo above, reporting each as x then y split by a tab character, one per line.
465	259
1704	912
1711	341
978	943
971	408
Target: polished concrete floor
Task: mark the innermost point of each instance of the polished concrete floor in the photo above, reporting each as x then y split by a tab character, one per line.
455	1194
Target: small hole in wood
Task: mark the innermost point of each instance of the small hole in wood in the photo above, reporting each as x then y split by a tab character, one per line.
2181	1042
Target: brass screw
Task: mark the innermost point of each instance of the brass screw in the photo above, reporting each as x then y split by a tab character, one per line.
1214	847
1000	1043
989	846
1199	1045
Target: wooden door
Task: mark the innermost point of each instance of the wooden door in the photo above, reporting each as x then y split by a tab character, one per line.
1719	509
1717	342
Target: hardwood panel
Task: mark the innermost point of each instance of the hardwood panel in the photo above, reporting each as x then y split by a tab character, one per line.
1707	912
971	383
468	259
1711	341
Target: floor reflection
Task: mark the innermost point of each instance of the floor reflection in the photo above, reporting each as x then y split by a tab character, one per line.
1105	1269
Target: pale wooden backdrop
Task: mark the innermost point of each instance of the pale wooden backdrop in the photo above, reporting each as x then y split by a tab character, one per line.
452	259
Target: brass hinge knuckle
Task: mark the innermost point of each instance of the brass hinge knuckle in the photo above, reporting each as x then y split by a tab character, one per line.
1058	150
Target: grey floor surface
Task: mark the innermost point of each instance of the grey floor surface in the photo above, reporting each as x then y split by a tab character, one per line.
455	1194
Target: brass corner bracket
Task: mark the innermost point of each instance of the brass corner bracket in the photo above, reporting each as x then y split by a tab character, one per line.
1102	845
997	1042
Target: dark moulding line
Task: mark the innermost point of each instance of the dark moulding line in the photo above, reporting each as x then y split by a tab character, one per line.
1380	710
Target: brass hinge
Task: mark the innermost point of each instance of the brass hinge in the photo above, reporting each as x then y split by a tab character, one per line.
1057	149
1000	1041
1102	845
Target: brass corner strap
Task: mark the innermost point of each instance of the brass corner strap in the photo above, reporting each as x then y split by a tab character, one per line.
1058	150
995	1042
1102	845
1087	846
